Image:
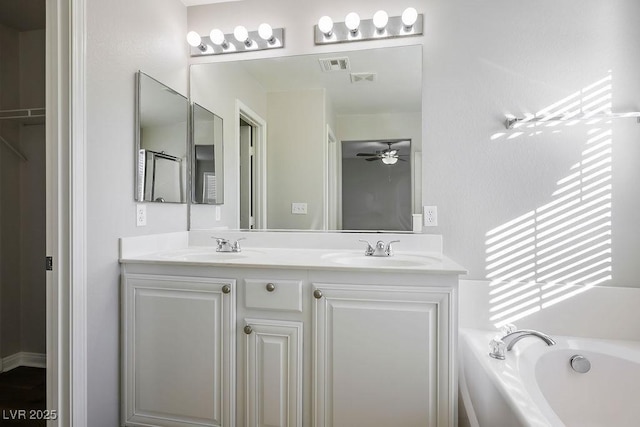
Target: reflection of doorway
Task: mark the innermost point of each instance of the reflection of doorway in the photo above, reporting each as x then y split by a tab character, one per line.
376	185
252	168
247	176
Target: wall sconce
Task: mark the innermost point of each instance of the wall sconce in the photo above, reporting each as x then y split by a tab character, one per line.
380	27
241	40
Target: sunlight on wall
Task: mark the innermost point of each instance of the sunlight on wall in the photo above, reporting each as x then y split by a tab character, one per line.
535	260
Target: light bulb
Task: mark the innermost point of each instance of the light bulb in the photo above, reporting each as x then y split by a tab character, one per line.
409	17
217	38
389	160
380	19
352	21
194	39
242	35
266	33
325	24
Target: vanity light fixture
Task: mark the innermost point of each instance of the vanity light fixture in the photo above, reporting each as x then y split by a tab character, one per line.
241	40
382	26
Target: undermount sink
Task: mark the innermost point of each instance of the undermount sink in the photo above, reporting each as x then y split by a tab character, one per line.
397	260
205	255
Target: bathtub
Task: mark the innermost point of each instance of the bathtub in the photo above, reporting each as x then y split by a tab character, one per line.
536	386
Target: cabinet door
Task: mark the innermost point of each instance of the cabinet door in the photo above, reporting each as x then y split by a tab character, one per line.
382	356
273	373
178	351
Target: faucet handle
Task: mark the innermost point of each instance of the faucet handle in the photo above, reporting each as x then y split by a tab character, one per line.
497	348
236	245
369	250
508	328
389	250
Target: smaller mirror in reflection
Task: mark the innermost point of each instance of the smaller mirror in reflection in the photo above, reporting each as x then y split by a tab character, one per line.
161	140
207	171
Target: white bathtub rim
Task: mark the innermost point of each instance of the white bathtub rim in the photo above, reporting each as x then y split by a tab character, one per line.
534	410
528	411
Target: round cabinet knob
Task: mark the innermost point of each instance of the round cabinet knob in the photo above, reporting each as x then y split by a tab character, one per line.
226	289
270	287
248	330
317	294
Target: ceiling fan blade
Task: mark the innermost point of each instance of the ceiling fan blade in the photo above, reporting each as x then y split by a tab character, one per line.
366	154
371	159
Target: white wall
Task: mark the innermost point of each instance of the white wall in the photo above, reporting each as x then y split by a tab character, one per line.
296	153
221	100
122	37
480	62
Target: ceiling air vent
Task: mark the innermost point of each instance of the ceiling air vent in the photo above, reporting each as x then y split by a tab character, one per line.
363	77
334	64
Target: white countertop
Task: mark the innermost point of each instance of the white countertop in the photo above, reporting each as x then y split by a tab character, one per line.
178	249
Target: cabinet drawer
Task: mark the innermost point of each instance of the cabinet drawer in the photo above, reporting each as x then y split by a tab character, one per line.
273	294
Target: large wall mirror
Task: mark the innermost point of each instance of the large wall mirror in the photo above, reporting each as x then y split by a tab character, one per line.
161	142
207	168
318	142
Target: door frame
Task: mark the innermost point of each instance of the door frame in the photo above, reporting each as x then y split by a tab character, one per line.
66	212
260	161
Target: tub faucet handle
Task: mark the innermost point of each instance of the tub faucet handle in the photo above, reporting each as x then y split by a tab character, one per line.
497	348
508	328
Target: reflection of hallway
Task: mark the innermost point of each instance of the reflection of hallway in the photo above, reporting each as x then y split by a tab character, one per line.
22	389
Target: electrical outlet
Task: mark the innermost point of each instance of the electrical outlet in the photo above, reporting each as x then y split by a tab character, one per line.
430	216
218	213
299	208
141	215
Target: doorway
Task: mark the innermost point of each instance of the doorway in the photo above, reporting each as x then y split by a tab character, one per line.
377	185
252	194
23	205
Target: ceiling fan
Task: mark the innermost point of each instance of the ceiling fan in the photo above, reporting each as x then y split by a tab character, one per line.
388	156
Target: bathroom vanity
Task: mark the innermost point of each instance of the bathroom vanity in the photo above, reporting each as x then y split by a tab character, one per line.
282	335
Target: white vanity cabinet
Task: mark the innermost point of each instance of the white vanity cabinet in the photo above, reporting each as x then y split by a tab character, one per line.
270	337
382	355
295	342
178	351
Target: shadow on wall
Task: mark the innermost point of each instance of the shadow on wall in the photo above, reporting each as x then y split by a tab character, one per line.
535	260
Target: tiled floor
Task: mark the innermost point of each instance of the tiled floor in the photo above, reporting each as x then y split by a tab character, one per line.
23	397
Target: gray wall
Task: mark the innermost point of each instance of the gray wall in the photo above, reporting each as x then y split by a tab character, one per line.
122	37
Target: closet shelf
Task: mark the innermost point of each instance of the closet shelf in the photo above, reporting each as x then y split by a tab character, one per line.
512	121
22	113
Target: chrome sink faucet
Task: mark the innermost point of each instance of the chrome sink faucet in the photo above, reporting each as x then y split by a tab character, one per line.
499	345
225	245
380	248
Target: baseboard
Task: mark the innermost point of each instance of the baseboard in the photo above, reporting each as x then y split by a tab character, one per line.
24	358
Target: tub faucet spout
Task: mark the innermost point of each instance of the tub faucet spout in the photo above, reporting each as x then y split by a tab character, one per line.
512	338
